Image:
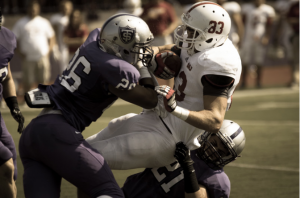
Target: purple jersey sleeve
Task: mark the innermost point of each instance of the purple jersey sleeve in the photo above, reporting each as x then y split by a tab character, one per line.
8	44
81	92
168	182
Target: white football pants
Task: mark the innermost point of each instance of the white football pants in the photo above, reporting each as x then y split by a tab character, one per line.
135	141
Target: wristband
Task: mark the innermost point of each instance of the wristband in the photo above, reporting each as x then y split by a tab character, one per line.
144	73
181	113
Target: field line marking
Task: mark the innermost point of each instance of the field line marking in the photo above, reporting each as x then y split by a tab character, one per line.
251	166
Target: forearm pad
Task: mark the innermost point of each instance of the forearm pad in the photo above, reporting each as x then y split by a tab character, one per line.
12	102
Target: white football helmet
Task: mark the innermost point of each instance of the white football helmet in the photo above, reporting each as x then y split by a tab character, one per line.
211	25
233	138
128	37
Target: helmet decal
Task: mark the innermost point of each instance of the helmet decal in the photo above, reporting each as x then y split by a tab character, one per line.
126	34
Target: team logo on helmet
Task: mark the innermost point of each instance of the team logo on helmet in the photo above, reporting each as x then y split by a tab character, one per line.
126	34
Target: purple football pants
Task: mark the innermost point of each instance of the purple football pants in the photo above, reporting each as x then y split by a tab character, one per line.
7	147
51	149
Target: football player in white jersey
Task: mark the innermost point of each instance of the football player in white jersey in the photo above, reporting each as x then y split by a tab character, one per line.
210	72
258	23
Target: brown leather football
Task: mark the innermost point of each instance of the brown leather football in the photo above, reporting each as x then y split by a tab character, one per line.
173	62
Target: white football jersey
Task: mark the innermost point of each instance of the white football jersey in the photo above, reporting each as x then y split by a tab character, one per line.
223	60
256	19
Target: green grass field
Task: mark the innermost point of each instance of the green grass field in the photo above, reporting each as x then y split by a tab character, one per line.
269	166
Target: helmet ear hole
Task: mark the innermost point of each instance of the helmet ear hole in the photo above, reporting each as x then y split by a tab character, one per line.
209	40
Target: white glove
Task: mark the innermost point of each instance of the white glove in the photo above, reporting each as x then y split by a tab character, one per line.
169	96
170	102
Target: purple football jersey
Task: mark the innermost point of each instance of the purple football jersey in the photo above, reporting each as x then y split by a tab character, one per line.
81	92
168	182
8	44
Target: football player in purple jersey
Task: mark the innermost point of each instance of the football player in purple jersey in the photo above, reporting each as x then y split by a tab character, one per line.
199	173
109	65
8	163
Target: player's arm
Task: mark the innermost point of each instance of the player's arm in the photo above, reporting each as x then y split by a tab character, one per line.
201	193
157	49
143	96
215	93
9	94
191	187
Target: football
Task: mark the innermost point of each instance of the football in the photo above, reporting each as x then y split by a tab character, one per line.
173	62
168	67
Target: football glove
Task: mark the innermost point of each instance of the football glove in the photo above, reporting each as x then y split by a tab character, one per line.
158	67
17	115
183	155
169	97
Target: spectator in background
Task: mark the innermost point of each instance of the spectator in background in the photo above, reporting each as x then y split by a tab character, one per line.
237	27
258	23
132	7
59	22
293	20
283	31
75	33
162	21
35	38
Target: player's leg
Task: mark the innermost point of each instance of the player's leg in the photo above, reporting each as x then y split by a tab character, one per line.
137	150
52	141
245	57
39	180
134	141
8	166
118	126
7	184
259	58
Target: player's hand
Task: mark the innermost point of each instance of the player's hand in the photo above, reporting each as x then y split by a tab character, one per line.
159	68
183	155
169	97
17	115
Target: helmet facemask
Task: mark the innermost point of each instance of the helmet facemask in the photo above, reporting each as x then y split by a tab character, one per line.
143	54
211	154
183	41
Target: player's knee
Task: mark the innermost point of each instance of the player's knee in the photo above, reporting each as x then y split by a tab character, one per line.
7	170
